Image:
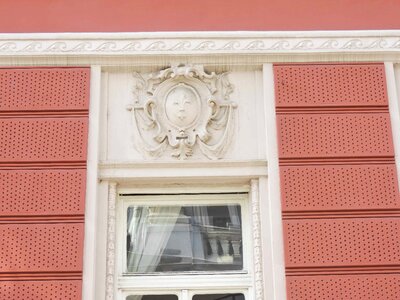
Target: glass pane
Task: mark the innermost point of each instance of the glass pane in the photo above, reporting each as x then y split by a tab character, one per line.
152	297
219	297
184	238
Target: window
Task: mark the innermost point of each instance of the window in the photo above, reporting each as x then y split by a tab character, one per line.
183	238
184	242
195	297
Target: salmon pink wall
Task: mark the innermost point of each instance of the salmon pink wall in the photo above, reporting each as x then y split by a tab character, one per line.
43	138
340	198
184	15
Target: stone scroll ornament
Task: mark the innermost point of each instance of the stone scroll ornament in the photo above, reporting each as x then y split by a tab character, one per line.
182	108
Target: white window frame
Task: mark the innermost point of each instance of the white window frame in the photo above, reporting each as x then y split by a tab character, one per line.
185	284
185	294
124	202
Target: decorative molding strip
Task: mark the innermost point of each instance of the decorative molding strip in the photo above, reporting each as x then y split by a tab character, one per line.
257	248
197	43
192	169
110	267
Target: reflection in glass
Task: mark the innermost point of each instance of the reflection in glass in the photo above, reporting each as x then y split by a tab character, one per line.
219	297
184	238
152	297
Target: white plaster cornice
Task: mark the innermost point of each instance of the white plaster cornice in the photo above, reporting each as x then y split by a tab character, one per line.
199	43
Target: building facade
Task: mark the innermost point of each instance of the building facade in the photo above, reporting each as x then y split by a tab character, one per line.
200	165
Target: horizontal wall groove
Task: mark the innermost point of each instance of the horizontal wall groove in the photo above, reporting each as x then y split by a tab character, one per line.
344	270
295	161
332	109
301	215
76	219
44	114
43	165
32	276
356	64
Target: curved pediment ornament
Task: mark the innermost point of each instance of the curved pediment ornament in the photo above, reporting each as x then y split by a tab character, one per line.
182	109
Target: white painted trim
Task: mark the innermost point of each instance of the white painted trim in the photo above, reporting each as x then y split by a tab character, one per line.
271	226
89	261
103	143
397	84
394	112
257	240
177	169
201	282
198	43
101	240
214	187
111	244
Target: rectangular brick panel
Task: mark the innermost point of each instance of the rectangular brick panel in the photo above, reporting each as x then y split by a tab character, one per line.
43	139
342	242
340	187
41	290
42	192
41	247
40	89
354	287
330	85
334	135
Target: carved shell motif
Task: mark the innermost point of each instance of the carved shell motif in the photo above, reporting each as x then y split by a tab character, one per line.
182	108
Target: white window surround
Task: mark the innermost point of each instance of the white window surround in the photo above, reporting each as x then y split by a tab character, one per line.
217	282
247	282
242	49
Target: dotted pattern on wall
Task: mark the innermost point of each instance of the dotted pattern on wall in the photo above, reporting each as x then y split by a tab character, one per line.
41	247
340	196
44	89
42	192
41	290
335	135
351	187
43	139
343	242
330	85
357	287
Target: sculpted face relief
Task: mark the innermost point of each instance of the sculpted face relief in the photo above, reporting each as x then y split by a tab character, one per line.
181	106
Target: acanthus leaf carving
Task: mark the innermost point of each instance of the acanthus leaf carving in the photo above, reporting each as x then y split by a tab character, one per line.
180	107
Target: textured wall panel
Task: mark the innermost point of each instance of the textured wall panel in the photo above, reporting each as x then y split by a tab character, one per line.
330	85
342	242
42	192
41	290
41	247
339	187
355	287
44	89
43	139
334	135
